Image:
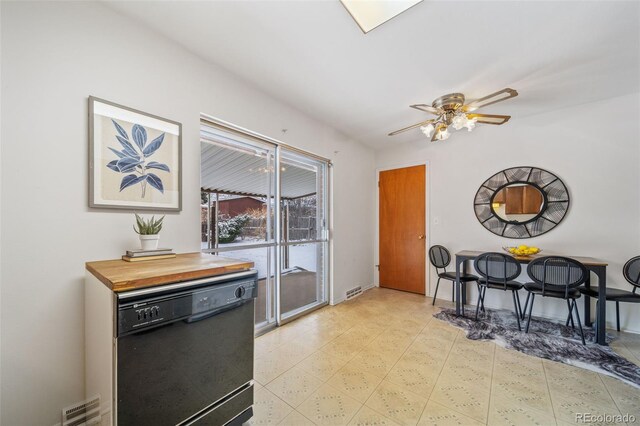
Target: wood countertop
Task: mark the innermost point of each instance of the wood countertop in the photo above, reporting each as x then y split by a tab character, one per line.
119	275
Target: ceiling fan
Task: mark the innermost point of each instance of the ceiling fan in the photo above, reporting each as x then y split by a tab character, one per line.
451	111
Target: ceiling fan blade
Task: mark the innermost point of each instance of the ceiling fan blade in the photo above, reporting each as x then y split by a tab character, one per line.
493	98
490	118
428	108
422	123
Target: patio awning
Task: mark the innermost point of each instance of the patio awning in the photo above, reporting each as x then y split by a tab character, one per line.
234	171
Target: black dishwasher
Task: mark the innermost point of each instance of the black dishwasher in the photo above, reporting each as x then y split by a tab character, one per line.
185	352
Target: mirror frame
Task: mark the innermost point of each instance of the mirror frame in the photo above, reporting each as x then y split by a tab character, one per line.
556	201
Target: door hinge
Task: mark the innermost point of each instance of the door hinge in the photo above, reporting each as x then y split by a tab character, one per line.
378	266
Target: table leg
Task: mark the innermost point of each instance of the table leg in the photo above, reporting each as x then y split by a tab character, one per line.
587	304
457	285
601	272
465	269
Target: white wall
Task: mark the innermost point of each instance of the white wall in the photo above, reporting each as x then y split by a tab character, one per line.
593	148
0	213
54	56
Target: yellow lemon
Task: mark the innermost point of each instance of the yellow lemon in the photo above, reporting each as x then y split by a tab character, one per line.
523	247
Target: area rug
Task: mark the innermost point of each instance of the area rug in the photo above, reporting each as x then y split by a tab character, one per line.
546	339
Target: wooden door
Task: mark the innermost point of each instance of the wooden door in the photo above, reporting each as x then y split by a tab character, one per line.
402	229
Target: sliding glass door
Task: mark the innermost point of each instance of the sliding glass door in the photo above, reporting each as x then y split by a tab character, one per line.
304	242
267	204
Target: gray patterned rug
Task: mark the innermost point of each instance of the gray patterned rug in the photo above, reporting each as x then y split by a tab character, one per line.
546	339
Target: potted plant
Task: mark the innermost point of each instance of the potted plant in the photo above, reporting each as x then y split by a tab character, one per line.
148	230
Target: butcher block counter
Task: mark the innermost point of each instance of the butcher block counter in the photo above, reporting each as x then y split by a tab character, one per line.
119	275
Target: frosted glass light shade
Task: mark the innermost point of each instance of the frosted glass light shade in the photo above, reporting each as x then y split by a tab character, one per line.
470	124
427	130
443	134
459	121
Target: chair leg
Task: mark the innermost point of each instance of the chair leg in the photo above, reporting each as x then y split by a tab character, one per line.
519	304
533	297
579	323
436	292
595	324
618	315
526	303
482	301
570	307
515	306
479	301
463	289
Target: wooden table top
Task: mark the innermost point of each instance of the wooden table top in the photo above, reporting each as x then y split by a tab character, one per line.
587	261
119	275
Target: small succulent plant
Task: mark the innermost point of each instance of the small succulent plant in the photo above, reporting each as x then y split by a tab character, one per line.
148	226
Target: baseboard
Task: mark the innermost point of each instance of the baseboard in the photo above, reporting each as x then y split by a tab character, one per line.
343	297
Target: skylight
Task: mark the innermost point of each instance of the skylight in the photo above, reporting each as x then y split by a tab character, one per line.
370	14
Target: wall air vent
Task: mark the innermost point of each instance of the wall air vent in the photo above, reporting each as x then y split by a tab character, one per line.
82	413
354	292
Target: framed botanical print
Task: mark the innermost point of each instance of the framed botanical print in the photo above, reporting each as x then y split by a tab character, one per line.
134	159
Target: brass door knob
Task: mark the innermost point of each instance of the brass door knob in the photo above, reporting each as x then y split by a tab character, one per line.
421	237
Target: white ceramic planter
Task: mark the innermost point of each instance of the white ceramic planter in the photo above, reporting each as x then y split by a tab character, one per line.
149	242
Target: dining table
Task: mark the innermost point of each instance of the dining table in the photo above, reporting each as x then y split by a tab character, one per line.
598	267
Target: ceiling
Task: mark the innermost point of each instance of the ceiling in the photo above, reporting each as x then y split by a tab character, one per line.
312	55
233	171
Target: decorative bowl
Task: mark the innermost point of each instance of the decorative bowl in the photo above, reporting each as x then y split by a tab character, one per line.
522	251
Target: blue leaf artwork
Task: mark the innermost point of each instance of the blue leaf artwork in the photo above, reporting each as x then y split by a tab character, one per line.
139	135
132	159
153	146
155	182
156	165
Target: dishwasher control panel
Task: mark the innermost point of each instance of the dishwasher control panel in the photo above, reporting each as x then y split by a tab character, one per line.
148	313
223	295
188	304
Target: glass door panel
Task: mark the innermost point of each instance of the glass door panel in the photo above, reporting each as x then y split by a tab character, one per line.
237	220
253	192
303	282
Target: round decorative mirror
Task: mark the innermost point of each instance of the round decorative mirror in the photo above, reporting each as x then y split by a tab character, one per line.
521	202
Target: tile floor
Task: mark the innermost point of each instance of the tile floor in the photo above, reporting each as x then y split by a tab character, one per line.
382	359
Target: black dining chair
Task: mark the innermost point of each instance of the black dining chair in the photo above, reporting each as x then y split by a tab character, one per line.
498	272
631	272
440	258
557	277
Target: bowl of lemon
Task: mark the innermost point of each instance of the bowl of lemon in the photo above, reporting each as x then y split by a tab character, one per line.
522	250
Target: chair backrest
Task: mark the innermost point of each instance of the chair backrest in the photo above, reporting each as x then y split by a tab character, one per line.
631	272
439	256
556	273
497	267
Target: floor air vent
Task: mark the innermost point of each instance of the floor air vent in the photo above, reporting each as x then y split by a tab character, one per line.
354	292
83	413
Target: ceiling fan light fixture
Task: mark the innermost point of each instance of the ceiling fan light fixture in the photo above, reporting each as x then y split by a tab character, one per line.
470	123
459	121
451	111
428	129
443	133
